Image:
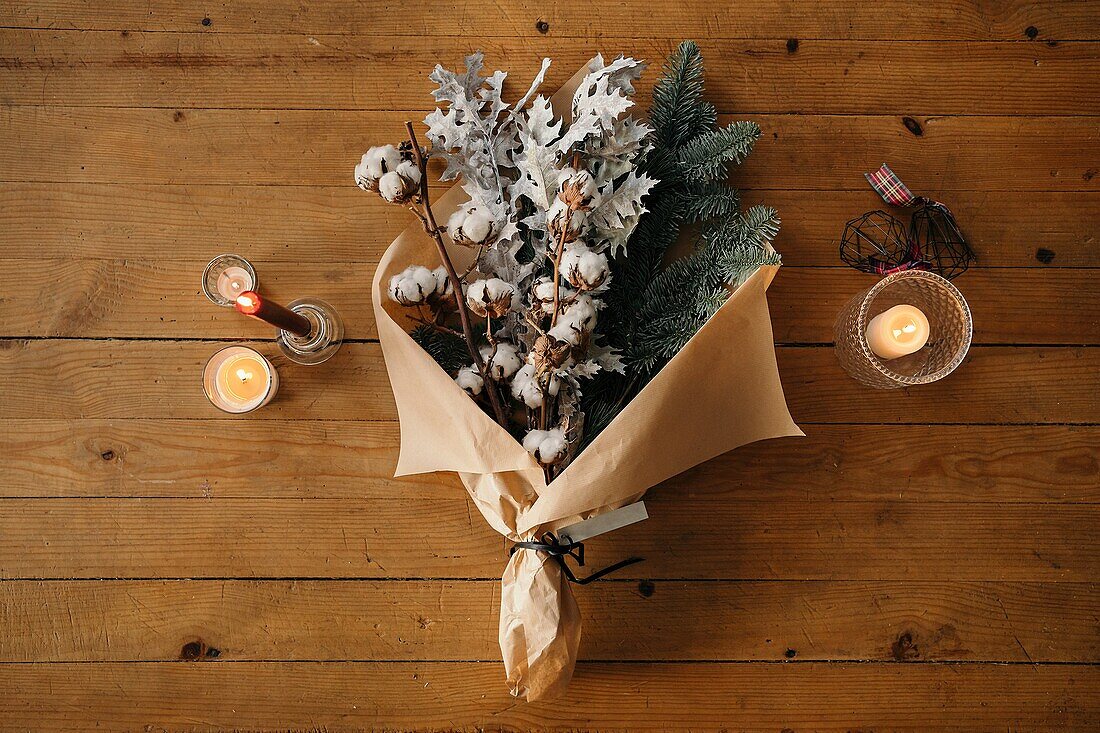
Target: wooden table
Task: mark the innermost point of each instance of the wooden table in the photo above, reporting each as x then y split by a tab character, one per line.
924	559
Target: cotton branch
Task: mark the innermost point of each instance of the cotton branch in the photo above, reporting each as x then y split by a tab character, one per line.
432	229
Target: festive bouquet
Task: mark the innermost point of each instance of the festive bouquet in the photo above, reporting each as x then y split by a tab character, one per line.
549	342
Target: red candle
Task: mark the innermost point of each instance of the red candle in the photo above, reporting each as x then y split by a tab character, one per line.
251	304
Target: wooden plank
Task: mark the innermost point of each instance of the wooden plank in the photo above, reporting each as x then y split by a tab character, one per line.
189	70
77	621
320	147
340	224
886	20
142	379
445	537
329	459
469	696
161	299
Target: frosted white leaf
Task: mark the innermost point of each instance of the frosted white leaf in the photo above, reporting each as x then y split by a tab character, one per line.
619	209
491	93
539	77
596	105
585	369
539	175
452	85
615	153
608	357
539	122
621	73
444	129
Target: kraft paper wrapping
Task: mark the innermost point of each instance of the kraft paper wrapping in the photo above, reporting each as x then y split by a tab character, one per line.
720	392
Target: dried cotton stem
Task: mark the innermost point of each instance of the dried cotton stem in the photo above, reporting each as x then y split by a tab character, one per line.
432	229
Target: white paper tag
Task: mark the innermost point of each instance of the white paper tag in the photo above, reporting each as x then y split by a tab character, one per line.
606	522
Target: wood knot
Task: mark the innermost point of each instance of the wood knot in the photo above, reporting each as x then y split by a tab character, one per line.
1044	255
646	588
903	648
790	654
177	116
912	126
197	650
542	27
207	22
107	455
792	45
1031	31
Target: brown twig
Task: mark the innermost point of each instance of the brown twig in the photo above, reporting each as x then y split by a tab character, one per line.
561	248
432	229
557	267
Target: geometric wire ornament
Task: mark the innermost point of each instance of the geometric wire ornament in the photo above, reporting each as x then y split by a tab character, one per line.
937	236
878	242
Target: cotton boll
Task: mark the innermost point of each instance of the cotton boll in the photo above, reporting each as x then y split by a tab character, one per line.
502	364
471	225
547	446
542	295
469	379
556	216
375	163
584	268
576	322
413	285
526	387
401	185
578	189
442	282
492	297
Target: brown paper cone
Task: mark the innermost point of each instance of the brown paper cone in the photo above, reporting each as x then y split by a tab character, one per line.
720	392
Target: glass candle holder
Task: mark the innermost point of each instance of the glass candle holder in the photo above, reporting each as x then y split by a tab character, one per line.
238	379
226	277
950	330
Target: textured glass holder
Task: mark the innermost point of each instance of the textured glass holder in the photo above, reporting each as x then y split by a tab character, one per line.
950	331
325	336
226	277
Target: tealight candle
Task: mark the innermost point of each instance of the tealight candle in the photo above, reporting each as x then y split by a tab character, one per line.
227	276
897	331
233	281
239	379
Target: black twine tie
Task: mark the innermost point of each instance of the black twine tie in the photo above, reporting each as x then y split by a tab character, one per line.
559	550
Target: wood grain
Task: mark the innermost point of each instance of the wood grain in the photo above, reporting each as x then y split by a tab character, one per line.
885	20
154	299
333	459
620	697
444	537
189	70
321	147
924	560
142	379
230	620
335	224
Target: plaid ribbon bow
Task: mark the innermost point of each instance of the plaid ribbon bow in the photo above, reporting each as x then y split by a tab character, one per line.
887	184
890	187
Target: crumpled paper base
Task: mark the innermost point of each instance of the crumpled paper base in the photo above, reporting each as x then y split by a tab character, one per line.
720	392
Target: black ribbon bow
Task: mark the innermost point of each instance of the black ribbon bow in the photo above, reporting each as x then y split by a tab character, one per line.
559	550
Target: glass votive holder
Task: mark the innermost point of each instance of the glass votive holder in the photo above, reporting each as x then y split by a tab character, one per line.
950	330
226	277
238	379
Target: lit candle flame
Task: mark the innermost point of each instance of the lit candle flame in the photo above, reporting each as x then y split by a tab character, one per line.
243	375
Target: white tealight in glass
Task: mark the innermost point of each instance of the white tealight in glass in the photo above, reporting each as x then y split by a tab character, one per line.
238	379
226	277
897	332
